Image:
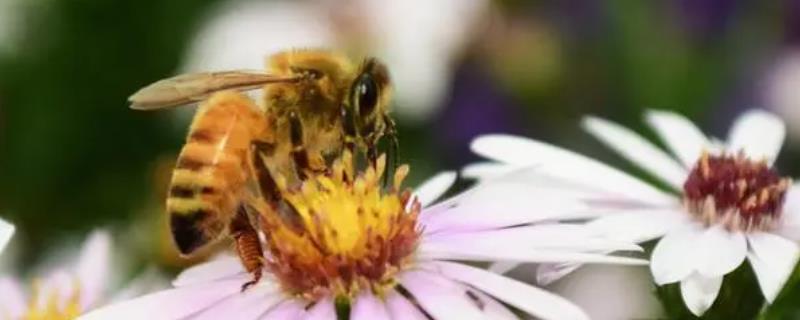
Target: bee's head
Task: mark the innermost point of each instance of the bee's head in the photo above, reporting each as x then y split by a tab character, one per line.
366	111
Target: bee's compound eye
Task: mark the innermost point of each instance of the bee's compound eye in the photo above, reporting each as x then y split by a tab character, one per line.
366	94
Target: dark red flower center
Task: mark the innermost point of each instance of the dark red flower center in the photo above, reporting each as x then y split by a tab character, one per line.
735	191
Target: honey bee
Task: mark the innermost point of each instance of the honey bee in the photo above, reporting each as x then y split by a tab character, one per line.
316	103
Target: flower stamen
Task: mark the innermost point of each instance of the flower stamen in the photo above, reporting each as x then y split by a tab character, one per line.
54	307
735	191
353	235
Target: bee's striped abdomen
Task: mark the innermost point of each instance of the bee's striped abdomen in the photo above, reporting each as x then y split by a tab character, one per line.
211	171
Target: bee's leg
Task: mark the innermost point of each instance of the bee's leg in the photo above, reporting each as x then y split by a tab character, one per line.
248	245
266	182
300	155
391	133
372	154
269	187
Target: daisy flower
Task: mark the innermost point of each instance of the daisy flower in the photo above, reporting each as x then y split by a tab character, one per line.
64	293
6	231
361	250
727	202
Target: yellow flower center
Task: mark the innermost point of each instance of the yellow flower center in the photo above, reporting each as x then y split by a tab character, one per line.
339	233
54	307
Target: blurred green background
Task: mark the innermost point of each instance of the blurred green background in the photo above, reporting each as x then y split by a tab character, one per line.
73	157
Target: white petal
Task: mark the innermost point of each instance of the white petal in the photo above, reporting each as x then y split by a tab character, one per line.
639	225
367	307
288	309
685	140
6	231
474	252
220	268
599	199
323	310
401	309
719	252
61	284
441	298
638	150
566	165
530	299
170	304
538	243
547	273
612	292
699	292
773	258
759	134
433	188
673	257
789	226
482	207
12	298
93	268
250	304
544	236
486	170
503	266
491	308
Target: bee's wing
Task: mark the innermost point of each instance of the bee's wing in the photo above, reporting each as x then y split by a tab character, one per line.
193	87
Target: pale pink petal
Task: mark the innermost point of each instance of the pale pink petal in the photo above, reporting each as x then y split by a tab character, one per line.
638	150
487	170
460	247
547	273
492	309
699	292
220	268
719	252
171	304
400	308
12	298
60	283
789	223
527	298
6	231
503	267
323	310
93	268
441	298
286	310
479	208
543	236
680	135
611	292
534	177
566	165
552	197
367	307
440	252
433	188
759	134
249	304
639	225
673	258
773	258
